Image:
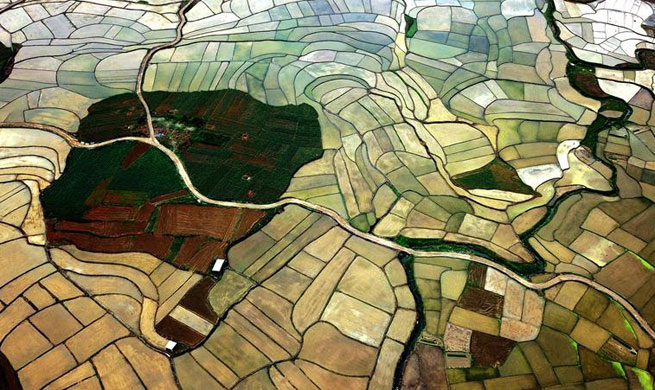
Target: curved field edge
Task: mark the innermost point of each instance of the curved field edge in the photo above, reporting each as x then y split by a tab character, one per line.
233	147
103	203
582	78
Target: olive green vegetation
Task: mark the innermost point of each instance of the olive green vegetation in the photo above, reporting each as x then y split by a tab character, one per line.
582	77
407	262
488	177
497	175
411	26
481	373
578	69
88	169
423	244
579	74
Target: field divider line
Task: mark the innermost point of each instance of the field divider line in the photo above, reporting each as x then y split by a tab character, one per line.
181	13
343	223
152	140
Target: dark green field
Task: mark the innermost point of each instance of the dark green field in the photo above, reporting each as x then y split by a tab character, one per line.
90	171
103	204
233	146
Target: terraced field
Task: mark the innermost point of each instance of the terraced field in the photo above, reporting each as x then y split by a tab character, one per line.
101	204
312	195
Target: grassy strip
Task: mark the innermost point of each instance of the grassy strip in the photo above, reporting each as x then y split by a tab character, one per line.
523	269
407	262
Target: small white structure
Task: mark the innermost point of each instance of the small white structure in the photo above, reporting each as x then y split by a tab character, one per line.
218	265
170	345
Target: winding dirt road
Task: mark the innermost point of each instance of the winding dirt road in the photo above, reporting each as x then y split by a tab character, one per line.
181	13
151	140
346	226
